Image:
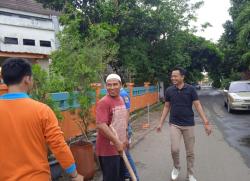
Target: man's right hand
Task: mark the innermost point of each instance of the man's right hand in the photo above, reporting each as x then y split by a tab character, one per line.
119	146
159	128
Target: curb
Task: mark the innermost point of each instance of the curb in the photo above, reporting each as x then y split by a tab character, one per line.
143	111
152	127
140	138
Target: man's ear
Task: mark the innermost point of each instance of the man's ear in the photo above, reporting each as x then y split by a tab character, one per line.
27	79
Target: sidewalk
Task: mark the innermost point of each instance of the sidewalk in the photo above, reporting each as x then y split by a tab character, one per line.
215	160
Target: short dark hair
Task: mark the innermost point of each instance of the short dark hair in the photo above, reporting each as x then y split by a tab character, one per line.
182	71
14	69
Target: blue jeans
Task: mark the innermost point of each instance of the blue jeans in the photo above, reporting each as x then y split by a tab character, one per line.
130	159
132	163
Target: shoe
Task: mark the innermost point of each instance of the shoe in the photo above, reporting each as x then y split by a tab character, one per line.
191	178
175	173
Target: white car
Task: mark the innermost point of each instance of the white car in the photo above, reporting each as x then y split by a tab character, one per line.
237	96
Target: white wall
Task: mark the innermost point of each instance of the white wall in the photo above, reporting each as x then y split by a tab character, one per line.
44	64
27	28
26	33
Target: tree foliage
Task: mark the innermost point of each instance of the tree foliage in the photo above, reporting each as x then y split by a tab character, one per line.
45	84
142	40
235	42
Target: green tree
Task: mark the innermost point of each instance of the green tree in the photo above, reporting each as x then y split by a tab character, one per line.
242	25
146	27
235	42
81	60
141	40
87	45
45	84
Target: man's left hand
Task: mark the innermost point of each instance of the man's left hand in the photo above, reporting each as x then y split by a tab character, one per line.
208	128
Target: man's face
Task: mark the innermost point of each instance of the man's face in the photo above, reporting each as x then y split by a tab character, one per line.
113	87
176	77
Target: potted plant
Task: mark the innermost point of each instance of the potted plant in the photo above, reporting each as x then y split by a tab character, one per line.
82	148
80	60
43	85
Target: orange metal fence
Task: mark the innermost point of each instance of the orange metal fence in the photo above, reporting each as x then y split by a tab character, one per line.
140	97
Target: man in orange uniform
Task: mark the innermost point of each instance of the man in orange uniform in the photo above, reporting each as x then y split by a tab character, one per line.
26	128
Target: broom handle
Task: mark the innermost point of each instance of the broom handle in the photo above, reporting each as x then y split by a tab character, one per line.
130	170
125	159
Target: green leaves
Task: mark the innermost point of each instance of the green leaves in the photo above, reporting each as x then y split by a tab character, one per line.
44	84
235	42
142	40
80	59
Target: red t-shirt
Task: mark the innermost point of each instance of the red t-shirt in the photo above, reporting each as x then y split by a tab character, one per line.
104	114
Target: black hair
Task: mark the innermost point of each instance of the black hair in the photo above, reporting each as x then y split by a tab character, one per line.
14	69
182	71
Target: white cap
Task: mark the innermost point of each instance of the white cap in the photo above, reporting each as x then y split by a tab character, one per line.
113	76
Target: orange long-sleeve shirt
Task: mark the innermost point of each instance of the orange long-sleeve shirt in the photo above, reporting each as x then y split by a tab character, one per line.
26	128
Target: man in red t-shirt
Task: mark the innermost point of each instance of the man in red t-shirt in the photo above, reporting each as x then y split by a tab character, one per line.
108	146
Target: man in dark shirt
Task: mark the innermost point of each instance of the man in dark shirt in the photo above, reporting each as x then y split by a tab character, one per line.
179	99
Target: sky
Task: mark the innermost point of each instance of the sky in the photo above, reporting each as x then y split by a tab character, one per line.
216	13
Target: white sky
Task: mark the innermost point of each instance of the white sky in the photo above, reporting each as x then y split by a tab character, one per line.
216	13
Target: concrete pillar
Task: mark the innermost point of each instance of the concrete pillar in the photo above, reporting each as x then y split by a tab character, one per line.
130	86
97	87
147	93
146	85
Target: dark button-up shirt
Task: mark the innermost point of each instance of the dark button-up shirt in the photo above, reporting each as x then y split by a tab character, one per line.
181	101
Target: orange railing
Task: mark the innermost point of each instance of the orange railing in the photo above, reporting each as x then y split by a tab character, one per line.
140	97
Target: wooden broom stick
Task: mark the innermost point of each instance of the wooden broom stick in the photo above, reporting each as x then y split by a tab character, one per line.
125	159
130	170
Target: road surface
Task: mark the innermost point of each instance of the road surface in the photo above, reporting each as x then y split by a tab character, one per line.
223	156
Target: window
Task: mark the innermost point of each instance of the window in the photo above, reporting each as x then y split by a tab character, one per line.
44	43
29	42
239	87
10	40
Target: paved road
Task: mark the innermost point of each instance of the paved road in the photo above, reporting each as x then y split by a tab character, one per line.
235	127
216	159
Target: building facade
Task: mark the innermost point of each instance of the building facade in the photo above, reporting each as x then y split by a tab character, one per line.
27	30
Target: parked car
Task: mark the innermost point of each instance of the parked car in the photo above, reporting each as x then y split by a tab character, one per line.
197	86
237	96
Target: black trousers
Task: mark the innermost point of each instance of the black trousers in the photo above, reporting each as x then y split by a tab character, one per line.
112	168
